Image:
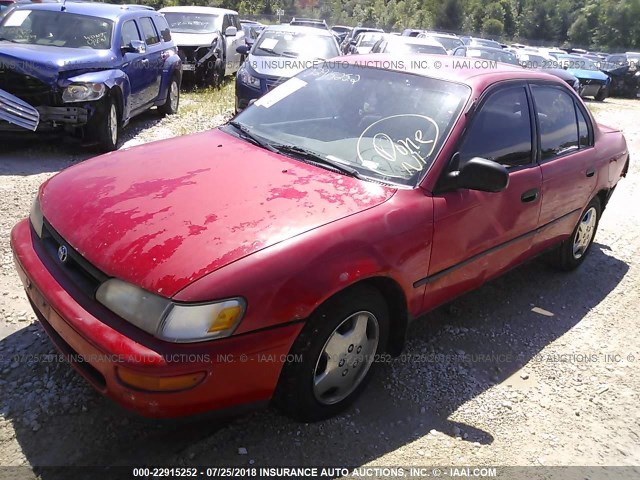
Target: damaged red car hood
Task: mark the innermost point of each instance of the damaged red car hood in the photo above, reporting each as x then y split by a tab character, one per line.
167	213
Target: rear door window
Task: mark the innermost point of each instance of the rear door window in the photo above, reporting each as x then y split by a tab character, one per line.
149	30
557	121
163	28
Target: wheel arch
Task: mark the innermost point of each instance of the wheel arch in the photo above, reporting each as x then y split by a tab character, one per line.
604	195
396	301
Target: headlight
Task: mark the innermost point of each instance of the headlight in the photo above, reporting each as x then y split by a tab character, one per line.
82	92
167	320
35	216
245	77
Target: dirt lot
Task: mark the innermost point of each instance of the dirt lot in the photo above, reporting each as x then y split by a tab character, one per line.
536	368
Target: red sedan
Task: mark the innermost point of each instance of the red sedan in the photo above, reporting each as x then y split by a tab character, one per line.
278	256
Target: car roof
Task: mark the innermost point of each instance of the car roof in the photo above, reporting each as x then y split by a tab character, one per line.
104	10
299	29
203	10
485	48
440	34
416	41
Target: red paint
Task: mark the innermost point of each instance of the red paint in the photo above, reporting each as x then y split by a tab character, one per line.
209	216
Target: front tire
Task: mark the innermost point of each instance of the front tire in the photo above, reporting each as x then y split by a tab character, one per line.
572	252
602	94
333	355
172	103
106	127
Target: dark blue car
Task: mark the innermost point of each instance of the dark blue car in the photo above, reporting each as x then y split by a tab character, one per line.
279	53
85	68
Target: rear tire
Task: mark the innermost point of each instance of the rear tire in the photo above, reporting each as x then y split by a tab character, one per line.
572	252
334	354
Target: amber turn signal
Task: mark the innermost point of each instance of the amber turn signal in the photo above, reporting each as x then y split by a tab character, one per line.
159	384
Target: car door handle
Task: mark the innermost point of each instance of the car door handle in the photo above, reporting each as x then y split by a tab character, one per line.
530	195
590	172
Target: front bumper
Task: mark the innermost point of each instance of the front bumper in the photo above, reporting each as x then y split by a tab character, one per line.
241	369
590	88
16	114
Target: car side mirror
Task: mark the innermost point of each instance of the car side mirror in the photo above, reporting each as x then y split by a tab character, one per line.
231	31
353	41
135	46
242	49
480	174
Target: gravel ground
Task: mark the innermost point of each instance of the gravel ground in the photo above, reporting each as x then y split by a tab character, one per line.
535	368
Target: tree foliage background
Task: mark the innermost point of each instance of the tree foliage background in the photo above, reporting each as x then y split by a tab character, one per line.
593	24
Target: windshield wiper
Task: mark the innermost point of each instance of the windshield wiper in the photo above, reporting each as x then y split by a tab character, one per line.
245	132
315	157
273	52
298	152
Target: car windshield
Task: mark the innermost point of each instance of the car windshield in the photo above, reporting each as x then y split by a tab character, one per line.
485	43
382	124
252	31
295	44
55	28
497	55
529	60
368	39
576	62
447	42
402	47
186	22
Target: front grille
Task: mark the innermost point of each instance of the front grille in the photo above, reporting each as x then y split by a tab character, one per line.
81	273
18	112
590	81
273	82
25	87
192	54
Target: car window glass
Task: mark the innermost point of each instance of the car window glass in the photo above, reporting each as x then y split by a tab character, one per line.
163	28
130	33
225	23
583	129
149	31
236	22
500	130
557	120
56	29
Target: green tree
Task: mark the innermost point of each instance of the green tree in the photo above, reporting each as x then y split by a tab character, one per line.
492	28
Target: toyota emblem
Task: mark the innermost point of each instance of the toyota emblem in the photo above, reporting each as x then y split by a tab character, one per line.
63	254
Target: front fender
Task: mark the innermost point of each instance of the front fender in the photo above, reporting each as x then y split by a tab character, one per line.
111	79
288	281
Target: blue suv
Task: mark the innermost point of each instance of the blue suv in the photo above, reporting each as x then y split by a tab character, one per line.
85	68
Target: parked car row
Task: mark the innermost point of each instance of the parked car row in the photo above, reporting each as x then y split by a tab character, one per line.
252	83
